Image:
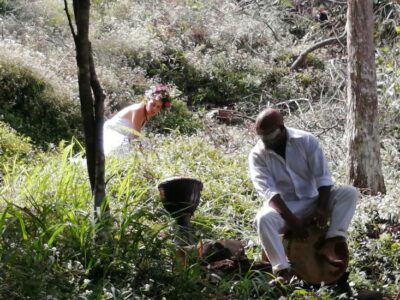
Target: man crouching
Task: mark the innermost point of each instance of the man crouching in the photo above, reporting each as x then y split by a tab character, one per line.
289	171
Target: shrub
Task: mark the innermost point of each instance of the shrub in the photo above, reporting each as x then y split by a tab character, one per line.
177	118
221	82
4	6
389	91
33	107
9	6
314	61
12	146
304	79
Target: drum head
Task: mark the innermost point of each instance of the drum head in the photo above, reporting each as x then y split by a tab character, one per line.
180	195
308	265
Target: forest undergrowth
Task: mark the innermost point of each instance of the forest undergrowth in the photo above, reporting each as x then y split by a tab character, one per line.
226	54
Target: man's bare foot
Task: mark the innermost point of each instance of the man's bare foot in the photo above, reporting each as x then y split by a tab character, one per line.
328	252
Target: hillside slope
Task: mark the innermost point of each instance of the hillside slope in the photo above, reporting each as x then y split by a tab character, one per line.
231	53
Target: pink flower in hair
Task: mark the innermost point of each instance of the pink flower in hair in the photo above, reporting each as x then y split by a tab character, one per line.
160	92
157	88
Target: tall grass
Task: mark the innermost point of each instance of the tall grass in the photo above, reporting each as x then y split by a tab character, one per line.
51	248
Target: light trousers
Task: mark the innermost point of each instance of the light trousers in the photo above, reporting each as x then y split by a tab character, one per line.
270	224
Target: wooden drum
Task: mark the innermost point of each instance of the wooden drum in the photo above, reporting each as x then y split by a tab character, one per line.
180	196
308	265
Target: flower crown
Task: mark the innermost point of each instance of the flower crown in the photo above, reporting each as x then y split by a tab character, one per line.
160	92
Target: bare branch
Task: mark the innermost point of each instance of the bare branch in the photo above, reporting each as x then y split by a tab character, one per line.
300	59
336	2
326	129
69	19
262	21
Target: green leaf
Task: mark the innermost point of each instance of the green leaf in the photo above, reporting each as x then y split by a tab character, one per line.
385	50
55	234
2	220
22	224
395	246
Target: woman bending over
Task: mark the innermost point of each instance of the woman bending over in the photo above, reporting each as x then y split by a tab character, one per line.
125	126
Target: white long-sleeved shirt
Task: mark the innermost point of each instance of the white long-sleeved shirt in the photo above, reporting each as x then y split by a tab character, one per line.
298	176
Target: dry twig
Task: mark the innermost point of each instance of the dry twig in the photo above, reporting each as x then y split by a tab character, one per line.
300	59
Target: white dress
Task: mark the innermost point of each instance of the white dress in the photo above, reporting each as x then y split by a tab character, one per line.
117	136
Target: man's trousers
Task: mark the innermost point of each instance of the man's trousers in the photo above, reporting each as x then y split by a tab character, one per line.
270	224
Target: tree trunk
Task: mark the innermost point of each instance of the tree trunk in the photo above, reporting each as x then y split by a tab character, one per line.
363	155
92	101
99	187
81	11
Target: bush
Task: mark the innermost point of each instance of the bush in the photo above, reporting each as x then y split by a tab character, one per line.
5	6
178	117
12	146
33	107
220	82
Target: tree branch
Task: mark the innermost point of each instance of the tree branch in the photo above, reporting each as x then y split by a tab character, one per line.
300	59
336	2
69	19
263	21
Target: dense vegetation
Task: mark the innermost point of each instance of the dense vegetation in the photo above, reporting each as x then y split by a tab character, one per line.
32	106
213	53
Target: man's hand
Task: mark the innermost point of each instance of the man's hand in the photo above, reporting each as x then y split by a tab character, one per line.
320	218
297	227
321	215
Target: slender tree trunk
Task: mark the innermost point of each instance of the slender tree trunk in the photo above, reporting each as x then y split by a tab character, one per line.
99	187
81	11
363	156
92	101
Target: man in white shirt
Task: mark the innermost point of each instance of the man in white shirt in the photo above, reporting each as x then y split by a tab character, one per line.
289	171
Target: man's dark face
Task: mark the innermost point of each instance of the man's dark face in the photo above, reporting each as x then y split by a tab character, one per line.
274	138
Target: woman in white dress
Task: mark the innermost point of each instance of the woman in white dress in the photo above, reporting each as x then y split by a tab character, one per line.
125	126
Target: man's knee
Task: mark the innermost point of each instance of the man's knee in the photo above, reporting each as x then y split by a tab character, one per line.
267	220
349	193
352	193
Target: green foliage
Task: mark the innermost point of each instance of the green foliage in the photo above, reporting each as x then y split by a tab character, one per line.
275	75
377	259
5	6
220	85
286	3
387	15
13	147
52	12
304	79
388	90
51	248
284	57
314	61
176	118
214	52
33	107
